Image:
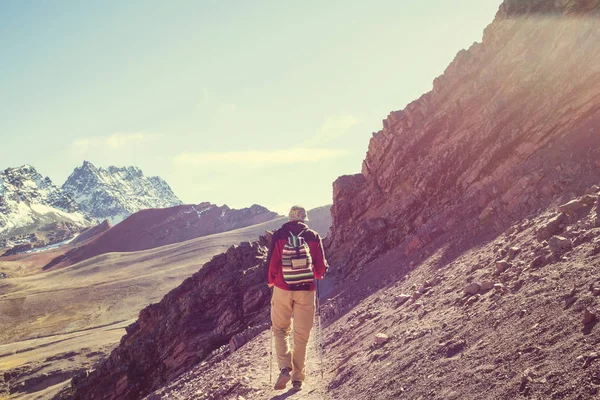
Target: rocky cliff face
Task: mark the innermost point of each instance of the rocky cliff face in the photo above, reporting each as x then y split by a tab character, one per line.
115	193
157	227
221	300
513	121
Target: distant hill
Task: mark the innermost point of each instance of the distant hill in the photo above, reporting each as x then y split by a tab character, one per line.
320	219
152	228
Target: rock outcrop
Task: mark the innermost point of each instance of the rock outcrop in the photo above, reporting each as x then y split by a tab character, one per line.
513	122
221	300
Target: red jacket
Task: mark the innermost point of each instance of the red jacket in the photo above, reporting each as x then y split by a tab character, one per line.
316	251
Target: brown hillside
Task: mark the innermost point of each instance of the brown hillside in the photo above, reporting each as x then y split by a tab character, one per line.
157	227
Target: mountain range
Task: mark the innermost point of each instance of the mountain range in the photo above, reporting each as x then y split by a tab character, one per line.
29	203
464	256
35	212
116	193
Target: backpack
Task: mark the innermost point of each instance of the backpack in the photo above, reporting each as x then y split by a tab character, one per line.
297	261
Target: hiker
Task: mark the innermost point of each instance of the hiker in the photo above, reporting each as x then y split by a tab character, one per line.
296	259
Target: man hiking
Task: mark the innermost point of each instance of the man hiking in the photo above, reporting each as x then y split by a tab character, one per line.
296	259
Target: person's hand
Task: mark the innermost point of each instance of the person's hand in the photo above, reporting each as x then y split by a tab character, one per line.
270	285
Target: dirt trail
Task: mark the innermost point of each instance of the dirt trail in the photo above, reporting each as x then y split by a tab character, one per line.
245	375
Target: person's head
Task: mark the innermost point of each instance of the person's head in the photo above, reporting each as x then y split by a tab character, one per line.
298	213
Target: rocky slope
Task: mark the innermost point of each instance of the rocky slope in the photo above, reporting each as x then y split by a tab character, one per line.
512	122
29	204
512	316
184	328
152	228
115	193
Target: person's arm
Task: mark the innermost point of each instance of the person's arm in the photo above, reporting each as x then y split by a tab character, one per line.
319	261
274	260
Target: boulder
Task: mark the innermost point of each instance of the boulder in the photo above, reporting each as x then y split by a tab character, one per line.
513	251
416	295
551	227
381	338
588	317
572	206
502	266
402	298
472	289
499	287
559	244
538	262
593	190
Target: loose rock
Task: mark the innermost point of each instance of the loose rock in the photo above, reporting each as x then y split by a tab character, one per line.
559	244
401	299
472	300
500	288
472	289
502	266
381	338
588	360
572	206
538	262
552	227
588	317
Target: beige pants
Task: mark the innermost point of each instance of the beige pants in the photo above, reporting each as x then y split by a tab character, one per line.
301	305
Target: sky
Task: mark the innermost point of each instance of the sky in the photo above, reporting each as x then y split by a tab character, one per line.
231	102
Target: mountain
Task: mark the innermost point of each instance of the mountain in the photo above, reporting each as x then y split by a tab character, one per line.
157	227
30	203
115	193
320	219
464	255
513	122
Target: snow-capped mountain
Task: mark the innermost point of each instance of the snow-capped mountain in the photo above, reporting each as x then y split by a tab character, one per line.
30	202
116	193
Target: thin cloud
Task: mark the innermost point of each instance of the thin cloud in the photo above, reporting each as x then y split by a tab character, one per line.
258	158
113	142
334	128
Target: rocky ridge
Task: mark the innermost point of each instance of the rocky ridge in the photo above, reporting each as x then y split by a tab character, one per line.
115	193
513	122
184	328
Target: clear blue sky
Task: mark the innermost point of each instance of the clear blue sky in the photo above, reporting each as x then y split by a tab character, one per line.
232	102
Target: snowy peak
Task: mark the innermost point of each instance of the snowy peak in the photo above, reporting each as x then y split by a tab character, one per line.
29	201
115	193
27	185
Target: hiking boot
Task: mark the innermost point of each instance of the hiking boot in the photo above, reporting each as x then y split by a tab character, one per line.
297	385
284	378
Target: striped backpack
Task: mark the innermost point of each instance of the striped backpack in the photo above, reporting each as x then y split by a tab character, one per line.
296	261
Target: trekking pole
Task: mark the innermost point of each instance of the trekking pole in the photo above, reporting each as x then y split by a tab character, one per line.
320	330
271	357
271	349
